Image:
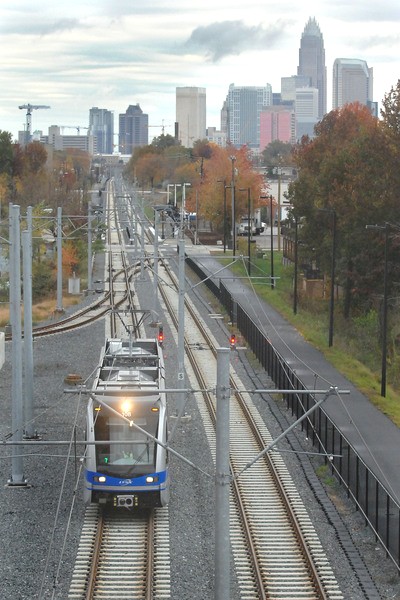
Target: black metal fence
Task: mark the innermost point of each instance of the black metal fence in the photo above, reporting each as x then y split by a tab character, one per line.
378	507
371	497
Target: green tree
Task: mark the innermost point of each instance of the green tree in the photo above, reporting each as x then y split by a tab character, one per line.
6	153
277	154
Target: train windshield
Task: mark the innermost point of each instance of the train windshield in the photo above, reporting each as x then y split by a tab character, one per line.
129	452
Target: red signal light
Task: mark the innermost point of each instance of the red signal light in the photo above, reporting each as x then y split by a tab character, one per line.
160	336
232	341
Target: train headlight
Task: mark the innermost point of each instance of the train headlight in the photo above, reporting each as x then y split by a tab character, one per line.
100	479
126	408
151	479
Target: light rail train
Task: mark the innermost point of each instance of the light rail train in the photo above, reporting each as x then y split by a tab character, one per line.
126	417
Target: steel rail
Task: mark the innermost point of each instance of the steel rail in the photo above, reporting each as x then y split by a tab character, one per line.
318	585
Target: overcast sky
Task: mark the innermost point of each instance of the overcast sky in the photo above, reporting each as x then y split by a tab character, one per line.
78	54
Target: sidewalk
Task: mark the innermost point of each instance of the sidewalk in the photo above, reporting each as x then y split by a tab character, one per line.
375	438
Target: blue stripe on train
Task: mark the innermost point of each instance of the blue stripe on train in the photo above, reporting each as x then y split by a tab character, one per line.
128	481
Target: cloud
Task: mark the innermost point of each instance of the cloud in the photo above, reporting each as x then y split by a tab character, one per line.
232	38
39	26
60	25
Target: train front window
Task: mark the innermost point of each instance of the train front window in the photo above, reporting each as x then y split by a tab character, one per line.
132	453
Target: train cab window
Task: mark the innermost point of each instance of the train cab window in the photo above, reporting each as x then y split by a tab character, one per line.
124	459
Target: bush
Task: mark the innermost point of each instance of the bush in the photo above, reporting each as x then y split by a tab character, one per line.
43	281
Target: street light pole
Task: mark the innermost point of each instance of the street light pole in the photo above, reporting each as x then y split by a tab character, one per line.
332	212
332	299
295	266
270	198
248	228
225	188
384	324
233	159
386	229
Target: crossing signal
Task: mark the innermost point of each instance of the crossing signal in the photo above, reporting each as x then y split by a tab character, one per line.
160	335
232	341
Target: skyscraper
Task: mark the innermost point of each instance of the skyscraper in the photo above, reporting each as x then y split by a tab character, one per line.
101	126
312	61
133	129
244	107
352	82
191	114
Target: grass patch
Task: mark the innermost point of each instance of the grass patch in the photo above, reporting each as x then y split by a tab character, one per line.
325	475
42	311
355	352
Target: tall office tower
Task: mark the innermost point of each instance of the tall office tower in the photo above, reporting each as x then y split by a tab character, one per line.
191	114
312	61
101	125
277	123
244	108
133	129
352	82
306	108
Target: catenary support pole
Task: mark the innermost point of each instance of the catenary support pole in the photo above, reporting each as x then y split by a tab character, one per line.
17	475
142	219
59	307
181	322
222	479
28	340
155	259
89	265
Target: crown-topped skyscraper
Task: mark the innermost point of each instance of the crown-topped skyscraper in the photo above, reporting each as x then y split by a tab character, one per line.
312	61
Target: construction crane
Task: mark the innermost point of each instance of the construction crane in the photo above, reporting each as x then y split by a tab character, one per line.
162	126
29	108
77	127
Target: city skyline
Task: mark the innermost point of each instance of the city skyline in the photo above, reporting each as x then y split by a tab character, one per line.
113	55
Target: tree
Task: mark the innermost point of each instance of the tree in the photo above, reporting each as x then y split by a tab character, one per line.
277	153
34	157
164	141
6	153
210	189
347	168
391	110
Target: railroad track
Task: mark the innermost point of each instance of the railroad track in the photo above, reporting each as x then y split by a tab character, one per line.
276	549
122	556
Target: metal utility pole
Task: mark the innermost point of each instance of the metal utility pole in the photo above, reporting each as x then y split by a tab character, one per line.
233	158
333	263
222	478
89	267
181	323
272	245
296	261
142	240
249	228
386	229
59	307
17	474
155	260
28	339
